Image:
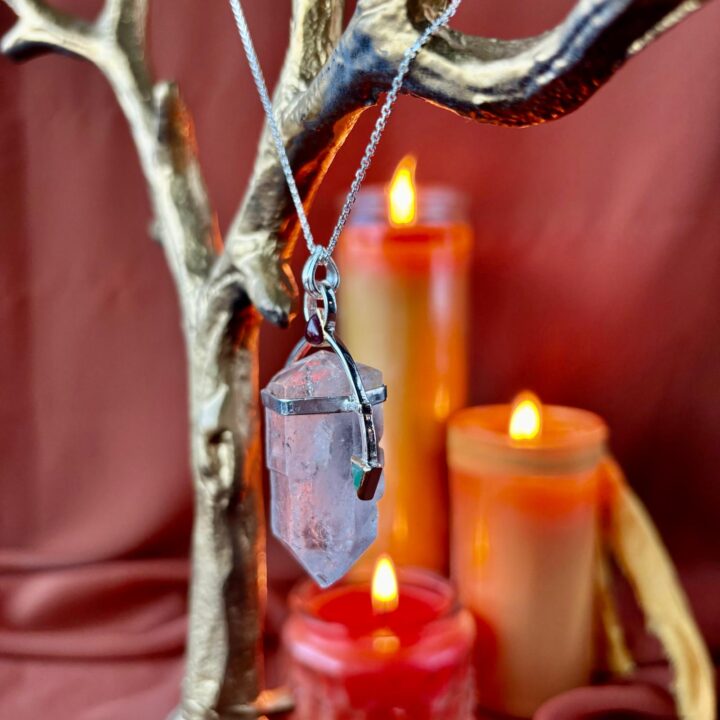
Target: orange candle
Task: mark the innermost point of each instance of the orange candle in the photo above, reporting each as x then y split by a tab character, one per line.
524	489
404	264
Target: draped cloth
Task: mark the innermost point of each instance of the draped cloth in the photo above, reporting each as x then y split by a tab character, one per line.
630	538
596	282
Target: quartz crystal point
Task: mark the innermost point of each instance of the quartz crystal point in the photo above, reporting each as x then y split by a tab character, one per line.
315	509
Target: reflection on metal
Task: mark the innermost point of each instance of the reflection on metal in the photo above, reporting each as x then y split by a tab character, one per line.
329	77
321	406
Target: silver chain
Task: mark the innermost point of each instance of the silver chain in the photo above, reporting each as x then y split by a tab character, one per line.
321	254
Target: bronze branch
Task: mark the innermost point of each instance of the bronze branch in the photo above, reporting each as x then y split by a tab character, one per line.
330	75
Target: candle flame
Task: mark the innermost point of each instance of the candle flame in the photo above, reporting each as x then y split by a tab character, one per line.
526	417
384	586
402	194
385	642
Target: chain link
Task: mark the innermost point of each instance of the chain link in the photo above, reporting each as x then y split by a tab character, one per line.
319	252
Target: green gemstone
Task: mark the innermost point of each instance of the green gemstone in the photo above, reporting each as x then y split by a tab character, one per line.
358	473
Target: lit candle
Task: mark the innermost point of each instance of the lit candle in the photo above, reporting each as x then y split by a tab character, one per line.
404	262
524	495
382	649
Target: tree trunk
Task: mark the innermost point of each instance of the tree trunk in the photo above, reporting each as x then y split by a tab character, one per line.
227	592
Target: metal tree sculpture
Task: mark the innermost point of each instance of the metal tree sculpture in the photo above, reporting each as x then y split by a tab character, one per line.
330	75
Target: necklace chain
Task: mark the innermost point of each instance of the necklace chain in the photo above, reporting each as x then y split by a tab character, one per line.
318	252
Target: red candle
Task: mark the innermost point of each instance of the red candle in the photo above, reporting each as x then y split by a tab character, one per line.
381	652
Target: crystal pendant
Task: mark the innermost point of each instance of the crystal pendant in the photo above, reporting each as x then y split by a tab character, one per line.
316	444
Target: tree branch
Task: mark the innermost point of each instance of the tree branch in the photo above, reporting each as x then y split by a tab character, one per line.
41	28
159	122
503	82
126	22
251	253
526	82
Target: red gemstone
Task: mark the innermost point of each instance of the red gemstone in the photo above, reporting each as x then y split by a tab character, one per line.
369	483
314	331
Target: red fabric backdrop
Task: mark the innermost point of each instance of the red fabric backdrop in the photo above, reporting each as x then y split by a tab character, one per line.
597	283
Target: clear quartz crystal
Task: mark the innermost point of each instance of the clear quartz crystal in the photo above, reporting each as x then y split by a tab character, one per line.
315	508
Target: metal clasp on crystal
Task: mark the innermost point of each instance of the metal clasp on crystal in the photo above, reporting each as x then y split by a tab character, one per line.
320	311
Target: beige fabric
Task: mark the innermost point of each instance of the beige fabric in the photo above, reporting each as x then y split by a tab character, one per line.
633	541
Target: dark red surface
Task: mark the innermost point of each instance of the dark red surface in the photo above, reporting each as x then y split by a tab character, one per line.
596	283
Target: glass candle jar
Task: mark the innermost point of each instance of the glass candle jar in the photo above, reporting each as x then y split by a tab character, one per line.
524	535
347	662
404	309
